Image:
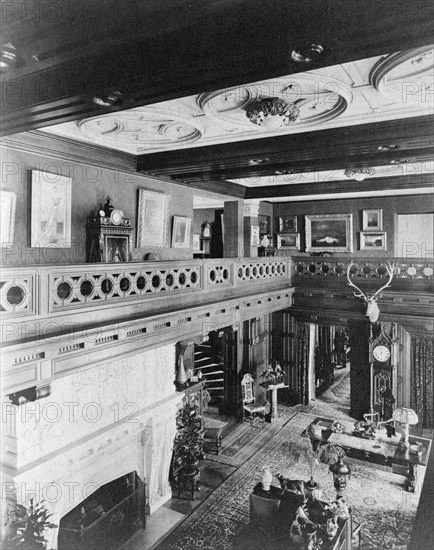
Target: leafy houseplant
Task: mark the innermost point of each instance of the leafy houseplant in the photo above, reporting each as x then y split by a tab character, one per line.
26	526
189	441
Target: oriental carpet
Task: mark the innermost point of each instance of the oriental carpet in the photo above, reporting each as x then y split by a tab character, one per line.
377	498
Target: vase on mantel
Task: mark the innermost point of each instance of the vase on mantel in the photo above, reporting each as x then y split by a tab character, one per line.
267	478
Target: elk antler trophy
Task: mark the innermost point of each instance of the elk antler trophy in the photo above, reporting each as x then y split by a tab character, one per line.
372	310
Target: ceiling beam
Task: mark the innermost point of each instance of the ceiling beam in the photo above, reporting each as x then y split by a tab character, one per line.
376	144
159	49
397	183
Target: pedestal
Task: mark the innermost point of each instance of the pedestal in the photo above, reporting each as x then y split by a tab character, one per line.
273	388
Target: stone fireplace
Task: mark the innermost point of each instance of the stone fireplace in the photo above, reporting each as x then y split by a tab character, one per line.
101	423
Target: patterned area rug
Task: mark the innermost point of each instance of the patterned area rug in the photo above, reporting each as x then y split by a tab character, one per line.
245	440
377	498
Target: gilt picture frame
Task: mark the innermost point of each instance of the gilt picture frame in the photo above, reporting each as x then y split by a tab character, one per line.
8	201
373	240
51	210
329	233
373	220
288	241
152	219
181	232
286	224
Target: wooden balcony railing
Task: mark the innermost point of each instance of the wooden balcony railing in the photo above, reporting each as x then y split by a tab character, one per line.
43	290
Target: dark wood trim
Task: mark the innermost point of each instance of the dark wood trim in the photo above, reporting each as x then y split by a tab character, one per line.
160	49
41	143
324	149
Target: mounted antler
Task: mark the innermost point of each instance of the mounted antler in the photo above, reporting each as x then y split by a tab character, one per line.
372	310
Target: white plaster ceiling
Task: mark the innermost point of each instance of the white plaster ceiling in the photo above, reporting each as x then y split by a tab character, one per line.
382	88
407	169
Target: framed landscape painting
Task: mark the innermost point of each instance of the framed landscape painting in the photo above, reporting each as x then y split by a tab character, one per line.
371	240
152	222
329	233
288	240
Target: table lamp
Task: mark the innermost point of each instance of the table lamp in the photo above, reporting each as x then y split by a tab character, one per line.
405	416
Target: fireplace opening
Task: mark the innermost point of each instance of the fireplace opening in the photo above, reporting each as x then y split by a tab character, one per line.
107	518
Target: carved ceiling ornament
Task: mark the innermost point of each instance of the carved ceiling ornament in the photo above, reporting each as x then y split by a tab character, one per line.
362	91
406	76
145	127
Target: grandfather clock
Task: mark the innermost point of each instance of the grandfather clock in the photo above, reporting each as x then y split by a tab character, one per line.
382	358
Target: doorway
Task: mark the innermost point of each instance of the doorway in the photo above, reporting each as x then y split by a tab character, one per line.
331	366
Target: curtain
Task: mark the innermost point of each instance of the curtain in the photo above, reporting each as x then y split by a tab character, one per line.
303	361
421	376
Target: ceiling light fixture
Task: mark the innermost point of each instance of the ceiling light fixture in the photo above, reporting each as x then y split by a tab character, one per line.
9	59
307	54
272	113
112	100
359	174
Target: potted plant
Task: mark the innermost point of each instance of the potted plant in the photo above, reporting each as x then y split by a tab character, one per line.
189	442
25	526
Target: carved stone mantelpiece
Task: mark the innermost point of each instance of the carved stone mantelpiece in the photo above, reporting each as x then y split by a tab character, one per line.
96	426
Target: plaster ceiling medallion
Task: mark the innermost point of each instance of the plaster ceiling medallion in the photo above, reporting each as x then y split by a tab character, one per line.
406	76
144	129
306	99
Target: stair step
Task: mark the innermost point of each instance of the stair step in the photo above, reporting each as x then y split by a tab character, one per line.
219	389
201	359
211	365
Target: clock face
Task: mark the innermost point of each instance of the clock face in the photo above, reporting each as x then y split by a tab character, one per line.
116	217
381	353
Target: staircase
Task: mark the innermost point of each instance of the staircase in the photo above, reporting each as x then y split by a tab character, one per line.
211	367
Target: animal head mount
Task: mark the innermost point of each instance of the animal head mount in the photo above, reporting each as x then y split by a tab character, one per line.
372	309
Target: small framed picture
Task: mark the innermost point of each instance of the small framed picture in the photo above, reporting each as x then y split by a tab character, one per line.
255	235
181	232
116	248
196	242
373	220
288	240
373	240
286	224
7	219
264	224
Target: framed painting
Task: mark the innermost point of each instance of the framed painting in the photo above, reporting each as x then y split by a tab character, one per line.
264	224
255	235
8	202
196	242
371	240
152	222
373	220
181	232
287	224
329	233
51	210
288	240
116	248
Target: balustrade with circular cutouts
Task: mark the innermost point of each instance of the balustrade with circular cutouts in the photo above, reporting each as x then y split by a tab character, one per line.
109	286
422	270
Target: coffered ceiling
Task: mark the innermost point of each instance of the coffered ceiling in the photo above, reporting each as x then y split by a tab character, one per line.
169	83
